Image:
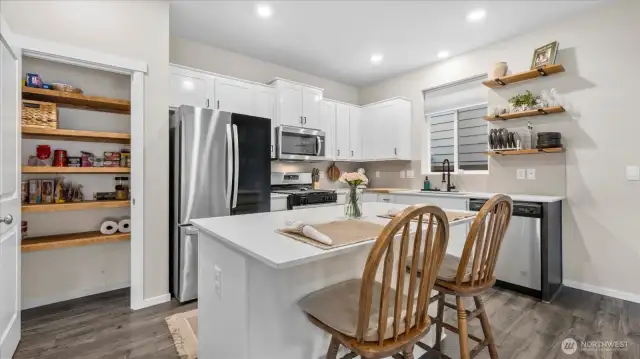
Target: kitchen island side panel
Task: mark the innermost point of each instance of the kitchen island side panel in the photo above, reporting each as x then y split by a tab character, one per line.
551	234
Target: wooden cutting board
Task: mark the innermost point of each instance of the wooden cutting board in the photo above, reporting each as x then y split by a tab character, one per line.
333	172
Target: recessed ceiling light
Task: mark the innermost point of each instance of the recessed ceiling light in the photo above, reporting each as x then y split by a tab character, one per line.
264	10
476	15
376	58
443	54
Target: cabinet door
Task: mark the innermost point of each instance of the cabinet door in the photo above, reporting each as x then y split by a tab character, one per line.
289	105
311	101
264	106
187	90
367	126
342	132
355	134
233	96
328	125
402	138
385	128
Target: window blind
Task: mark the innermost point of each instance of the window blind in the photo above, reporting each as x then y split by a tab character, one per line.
472	139
442	140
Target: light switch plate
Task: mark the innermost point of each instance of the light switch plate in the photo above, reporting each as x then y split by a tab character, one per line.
531	173
633	173
409	173
321	174
402	174
377	174
521	173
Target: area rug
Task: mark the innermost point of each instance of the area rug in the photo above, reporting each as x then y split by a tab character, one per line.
184	330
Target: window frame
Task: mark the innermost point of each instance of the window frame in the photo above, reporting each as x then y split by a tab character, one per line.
455	112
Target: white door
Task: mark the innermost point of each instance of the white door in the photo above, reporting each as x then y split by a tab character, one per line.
342	132
311	100
328	125
355	135
264	106
289	104
9	197
233	96
188	90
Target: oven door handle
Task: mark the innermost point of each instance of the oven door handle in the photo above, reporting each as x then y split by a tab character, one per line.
229	167
319	145
236	166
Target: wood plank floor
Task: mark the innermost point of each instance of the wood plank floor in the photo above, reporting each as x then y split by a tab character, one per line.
103	326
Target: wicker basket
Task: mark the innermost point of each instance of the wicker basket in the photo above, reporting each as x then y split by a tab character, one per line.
39	114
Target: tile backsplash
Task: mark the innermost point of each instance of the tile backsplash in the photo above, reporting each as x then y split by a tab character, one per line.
279	166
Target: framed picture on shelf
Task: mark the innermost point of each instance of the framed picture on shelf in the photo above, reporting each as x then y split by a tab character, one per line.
545	55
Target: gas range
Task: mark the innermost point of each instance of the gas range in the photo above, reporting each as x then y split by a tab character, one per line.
298	186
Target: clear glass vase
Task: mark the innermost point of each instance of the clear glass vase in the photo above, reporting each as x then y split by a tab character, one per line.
353	203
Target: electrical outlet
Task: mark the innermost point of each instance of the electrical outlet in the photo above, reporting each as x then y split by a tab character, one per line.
321	174
521	173
402	174
633	173
410	174
377	174
531	173
217	281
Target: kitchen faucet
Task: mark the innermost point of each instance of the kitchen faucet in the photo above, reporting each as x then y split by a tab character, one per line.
448	181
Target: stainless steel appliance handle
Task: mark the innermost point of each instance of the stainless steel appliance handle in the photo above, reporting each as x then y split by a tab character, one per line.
229	167
319	145
279	144
236	166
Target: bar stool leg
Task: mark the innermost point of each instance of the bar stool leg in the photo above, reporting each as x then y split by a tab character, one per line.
332	352
407	352
486	328
440	318
462	329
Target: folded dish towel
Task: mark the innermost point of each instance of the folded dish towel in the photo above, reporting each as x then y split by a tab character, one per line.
308	231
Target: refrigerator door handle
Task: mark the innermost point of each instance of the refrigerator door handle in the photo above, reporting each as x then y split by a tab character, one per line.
236	167
319	145
229	166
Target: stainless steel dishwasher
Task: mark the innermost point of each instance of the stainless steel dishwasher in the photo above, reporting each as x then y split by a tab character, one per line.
530	259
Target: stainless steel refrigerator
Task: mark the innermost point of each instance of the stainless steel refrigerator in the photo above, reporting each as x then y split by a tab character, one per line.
220	165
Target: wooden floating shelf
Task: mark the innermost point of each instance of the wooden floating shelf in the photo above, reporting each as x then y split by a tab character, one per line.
43	133
71	240
73	206
524	76
525	152
74	100
529	113
42	169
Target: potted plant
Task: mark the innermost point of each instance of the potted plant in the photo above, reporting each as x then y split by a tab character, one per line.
523	102
353	202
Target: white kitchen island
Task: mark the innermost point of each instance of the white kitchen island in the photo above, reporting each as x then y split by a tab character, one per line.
250	279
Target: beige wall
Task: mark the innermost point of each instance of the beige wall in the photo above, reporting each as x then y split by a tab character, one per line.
133	29
193	54
600	132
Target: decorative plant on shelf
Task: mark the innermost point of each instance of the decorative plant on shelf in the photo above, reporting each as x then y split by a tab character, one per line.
353	202
523	102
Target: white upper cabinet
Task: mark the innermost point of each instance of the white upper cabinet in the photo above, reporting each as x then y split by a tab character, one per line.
233	96
355	134
264	106
328	125
189	88
343	151
311	103
387	130
297	105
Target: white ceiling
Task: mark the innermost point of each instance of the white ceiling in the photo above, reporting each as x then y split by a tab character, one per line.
335	39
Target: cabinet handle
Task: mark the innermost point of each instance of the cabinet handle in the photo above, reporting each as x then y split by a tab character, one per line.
271	148
218	104
395	151
338	152
302	123
305	120
351	153
207	103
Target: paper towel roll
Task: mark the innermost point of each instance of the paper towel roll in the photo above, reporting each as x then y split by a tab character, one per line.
124	225
109	227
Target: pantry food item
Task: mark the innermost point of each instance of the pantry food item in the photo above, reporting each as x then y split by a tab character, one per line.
98	162
125	157
122	188
25	191
112	156
58	192
109	163
87	159
65	87
24	228
35	191
60	158
104	196
47	191
74	162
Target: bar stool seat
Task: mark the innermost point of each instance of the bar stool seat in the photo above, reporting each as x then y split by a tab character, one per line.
448	269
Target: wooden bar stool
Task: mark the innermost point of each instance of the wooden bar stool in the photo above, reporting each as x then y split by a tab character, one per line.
372	319
471	275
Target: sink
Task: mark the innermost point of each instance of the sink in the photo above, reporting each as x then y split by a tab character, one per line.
438	193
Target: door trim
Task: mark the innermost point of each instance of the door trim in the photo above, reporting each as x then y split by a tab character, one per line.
137	69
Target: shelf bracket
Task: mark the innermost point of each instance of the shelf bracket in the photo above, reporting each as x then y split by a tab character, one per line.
500	82
542	111
541	71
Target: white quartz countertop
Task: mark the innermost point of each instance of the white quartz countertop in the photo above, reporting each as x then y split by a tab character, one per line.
254	234
515	197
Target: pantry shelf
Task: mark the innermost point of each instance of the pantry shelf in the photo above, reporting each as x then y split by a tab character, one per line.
42	169
529	113
524	76
71	240
74	100
42	133
73	206
525	152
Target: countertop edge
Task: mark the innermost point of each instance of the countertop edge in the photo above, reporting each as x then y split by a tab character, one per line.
529	197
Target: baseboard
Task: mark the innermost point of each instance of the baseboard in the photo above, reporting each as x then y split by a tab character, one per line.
28	303
150	302
614	293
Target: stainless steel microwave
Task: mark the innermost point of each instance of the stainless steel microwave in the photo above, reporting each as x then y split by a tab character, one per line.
300	144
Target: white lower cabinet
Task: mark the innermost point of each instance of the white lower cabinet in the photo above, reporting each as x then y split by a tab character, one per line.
370	197
278	204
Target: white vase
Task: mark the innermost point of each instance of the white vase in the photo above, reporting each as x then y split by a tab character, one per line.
499	70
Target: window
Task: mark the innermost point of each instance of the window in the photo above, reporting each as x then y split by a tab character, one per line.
459	136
